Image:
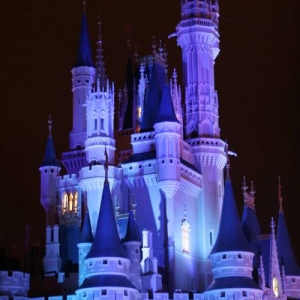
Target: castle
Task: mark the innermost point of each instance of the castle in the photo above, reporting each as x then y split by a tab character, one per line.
144	210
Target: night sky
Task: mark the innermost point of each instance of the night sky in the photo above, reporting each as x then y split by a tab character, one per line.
257	78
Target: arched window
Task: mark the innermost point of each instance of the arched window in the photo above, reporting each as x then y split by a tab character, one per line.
64	203
185	230
71	202
75	201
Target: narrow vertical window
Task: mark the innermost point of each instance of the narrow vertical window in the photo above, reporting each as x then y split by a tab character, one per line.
70	202
64	203
185	232
102	124
95	124
75	201
210	238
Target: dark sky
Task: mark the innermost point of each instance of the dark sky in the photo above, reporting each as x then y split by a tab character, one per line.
257	78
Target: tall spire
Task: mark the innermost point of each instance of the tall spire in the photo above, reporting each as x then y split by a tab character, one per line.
100	65
284	245
230	236
106	242
50	156
84	56
86	235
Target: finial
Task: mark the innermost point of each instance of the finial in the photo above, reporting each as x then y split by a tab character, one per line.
153	46
128	28
84	7
106	165
279	195
244	186
136	54
252	191
50	125
174	76
272	226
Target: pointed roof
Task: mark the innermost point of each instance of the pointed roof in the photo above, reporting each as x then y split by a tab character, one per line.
152	101
284	247
86	235
131	232
166	111
84	55
50	156
106	242
230	236
250	224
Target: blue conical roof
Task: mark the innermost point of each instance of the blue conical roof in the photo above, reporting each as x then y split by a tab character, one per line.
106	242
132	234
86	235
230	236
284	248
153	97
50	156
250	225
166	109
84	56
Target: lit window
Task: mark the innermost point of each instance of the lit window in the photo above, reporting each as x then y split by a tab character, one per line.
70	202
185	229
139	112
64	202
75	201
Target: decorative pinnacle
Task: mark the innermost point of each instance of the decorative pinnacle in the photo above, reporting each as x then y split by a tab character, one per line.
279	195
106	166
50	125
244	186
272	226
174	76
252	191
84	7
153	46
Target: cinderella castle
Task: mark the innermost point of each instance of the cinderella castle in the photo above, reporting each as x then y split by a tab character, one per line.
141	206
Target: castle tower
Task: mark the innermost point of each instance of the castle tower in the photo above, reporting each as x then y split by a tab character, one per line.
49	170
250	224
107	265
84	246
82	80
198	36
100	113
285	253
132	246
231	257
275	279
168	144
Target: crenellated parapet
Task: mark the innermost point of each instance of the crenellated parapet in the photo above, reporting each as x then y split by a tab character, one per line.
14	284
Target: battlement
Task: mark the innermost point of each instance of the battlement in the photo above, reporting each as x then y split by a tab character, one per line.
143	296
14	283
143	142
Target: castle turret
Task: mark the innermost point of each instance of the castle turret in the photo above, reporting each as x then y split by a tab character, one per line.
84	246
198	36
100	113
231	257
285	253
82	80
168	144
132	246
107	266
151	279
49	170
